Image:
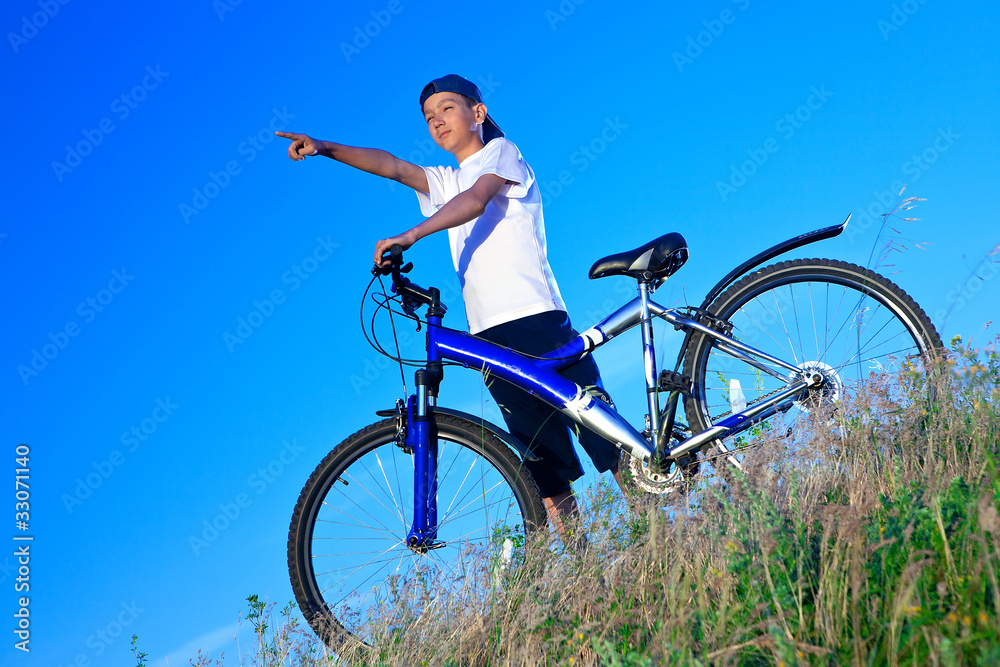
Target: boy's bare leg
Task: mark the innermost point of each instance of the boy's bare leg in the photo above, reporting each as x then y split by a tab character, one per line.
563	505
626	493
564	513
560	506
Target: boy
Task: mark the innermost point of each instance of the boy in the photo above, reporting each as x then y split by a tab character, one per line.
492	209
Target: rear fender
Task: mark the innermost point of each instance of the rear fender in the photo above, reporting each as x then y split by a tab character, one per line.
757	260
771	253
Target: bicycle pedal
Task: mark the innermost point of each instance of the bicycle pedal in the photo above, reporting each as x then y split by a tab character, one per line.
674	381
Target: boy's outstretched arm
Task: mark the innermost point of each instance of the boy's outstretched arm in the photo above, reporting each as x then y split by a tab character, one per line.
372	160
459	210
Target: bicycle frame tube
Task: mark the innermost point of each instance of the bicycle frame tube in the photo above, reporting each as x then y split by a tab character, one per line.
649	360
541	377
726	343
740	421
542	380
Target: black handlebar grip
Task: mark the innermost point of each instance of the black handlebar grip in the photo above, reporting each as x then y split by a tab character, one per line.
395	253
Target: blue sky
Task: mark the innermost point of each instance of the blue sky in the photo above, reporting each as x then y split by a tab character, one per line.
147	209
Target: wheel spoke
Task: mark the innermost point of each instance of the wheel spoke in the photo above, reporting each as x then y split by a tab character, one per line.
396	504
356	558
857	324
374	561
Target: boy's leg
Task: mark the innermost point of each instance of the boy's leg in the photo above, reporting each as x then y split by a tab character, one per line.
535	423
544	429
626	492
538	426
605	455
561	508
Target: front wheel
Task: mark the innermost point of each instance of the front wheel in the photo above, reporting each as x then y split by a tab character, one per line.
357	582
837	320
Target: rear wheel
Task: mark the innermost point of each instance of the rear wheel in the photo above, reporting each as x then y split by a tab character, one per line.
355	578
842	322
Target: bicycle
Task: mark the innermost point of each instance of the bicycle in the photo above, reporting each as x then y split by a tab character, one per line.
430	506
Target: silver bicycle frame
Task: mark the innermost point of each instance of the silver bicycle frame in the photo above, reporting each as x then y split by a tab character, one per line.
641	311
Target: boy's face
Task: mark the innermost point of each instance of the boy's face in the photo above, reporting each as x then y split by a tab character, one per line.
453	124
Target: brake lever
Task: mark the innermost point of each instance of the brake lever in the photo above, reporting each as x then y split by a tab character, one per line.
410	305
395	256
379	270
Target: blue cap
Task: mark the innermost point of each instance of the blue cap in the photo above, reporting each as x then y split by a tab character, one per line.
453	83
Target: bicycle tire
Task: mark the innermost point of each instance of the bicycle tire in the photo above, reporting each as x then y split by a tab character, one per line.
894	325
324	539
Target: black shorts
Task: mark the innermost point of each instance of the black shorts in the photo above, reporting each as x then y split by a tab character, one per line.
534	422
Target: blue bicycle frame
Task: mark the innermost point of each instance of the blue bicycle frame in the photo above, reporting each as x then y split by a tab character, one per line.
540	377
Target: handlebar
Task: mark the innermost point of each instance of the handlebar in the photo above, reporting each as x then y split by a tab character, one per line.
395	265
413	295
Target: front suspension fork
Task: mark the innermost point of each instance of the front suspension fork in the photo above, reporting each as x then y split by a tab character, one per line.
421	439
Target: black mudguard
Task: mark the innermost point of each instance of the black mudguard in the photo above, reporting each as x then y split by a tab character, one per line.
757	260
771	253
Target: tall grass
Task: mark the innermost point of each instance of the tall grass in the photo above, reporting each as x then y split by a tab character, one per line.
876	542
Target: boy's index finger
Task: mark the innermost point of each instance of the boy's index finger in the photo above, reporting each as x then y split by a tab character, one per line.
286	135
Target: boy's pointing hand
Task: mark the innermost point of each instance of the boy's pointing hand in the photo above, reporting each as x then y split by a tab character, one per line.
302	145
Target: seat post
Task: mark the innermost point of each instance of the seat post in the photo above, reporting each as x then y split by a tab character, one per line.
649	359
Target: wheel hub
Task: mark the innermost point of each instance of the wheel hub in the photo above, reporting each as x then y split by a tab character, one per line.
421	543
827	387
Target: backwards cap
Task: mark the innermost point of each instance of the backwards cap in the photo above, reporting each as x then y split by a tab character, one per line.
453	83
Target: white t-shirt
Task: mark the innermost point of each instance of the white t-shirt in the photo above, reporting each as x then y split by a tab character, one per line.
499	256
